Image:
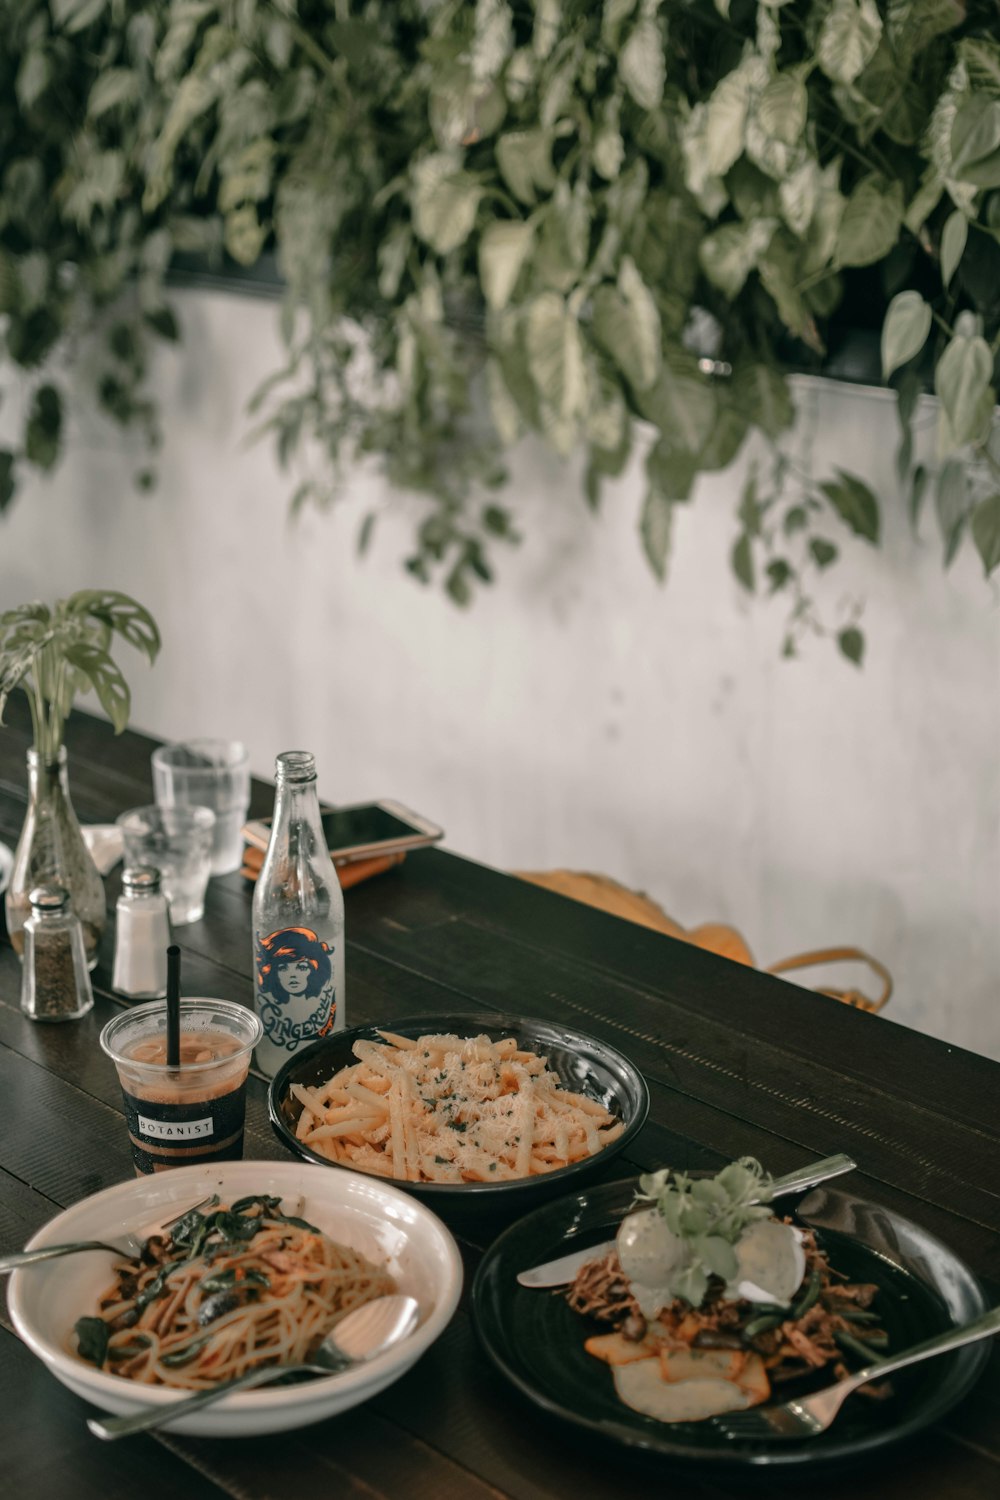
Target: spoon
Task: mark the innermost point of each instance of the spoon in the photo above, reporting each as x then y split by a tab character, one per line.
128	1250
365	1332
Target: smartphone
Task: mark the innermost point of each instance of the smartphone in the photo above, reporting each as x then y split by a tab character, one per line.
362	831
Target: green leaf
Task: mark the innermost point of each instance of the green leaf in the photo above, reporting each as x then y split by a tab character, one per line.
445	201
725	122
643	323
7	483
105	678
113	87
613	16
681	403
92	1336
742	561
654	529
913	24
33	77
761	393
163	322
975	142
854	503
641	64
726	438
953	239
503	248
782	268
671	471
609	147
717	1254
41	443
504	409
962	380
494	38
904	332
607	426
524	158
546	29
986	531
120	613
823	552
871	223
729	254
245	235
951	502
918	486
852	644
848	38
783	106
555	356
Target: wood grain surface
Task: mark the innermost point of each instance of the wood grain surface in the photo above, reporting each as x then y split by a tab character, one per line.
737	1063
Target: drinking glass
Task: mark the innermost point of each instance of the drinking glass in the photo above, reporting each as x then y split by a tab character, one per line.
177	841
208	773
193	1113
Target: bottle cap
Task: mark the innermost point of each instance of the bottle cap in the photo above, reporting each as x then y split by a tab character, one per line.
295	765
49	897
142	878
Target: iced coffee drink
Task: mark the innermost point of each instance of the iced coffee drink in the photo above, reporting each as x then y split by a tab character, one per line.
192	1113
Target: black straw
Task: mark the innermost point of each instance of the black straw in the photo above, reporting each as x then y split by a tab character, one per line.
173	1006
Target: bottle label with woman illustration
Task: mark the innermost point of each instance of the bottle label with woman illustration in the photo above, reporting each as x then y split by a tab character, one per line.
296	993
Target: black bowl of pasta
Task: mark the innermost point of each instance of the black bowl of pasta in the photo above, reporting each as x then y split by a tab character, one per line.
462	1109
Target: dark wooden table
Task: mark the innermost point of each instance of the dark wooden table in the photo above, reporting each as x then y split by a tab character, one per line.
737	1063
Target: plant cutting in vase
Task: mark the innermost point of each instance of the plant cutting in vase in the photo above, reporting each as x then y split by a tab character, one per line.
53	654
619	221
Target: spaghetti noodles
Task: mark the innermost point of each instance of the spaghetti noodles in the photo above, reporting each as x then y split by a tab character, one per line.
230	1289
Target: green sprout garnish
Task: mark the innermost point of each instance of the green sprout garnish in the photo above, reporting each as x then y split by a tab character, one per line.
709	1214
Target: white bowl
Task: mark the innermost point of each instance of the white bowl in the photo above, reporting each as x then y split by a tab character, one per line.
386	1225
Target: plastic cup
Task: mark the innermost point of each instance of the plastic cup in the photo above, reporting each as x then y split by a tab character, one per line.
177	841
192	1114
208	773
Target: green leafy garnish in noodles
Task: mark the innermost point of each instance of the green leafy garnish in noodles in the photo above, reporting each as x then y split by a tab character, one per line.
92	1339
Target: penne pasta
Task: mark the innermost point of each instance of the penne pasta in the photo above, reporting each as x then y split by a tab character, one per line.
443	1108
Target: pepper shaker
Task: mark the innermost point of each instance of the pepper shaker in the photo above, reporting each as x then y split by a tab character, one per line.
55	984
142	936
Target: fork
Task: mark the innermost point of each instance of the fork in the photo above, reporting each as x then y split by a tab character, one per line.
810	1415
131	1247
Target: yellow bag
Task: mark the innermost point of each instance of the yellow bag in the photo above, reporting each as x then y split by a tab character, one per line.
716	937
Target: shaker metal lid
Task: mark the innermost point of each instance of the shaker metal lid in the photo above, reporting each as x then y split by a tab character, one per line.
145	878
49	897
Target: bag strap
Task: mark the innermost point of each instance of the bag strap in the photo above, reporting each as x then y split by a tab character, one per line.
836	956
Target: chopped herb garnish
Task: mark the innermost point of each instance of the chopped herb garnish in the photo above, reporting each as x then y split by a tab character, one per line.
92	1339
185	1355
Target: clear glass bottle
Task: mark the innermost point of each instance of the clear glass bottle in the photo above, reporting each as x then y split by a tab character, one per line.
298	922
55	984
142	936
51	851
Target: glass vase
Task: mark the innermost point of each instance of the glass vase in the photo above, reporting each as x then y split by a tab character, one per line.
50	851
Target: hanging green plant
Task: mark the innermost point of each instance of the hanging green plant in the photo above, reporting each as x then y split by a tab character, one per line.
603	223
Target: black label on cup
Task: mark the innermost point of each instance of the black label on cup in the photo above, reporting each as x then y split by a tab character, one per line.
175	1135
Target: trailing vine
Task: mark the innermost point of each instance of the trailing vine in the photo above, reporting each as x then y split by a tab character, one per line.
616	225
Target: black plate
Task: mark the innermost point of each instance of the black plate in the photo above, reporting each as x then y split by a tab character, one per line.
583	1064
537	1342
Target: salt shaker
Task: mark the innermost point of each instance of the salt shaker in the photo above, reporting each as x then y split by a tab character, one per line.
142	936
55	984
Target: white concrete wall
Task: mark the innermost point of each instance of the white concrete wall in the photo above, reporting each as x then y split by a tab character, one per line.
578	714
